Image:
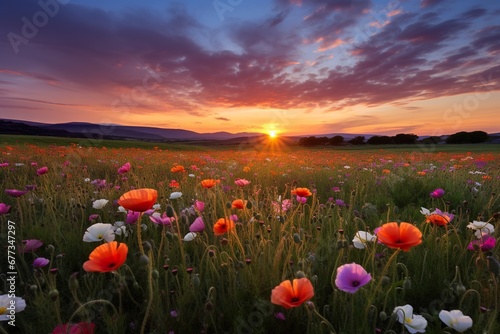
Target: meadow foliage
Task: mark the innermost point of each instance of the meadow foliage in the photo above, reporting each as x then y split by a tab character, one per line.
112	240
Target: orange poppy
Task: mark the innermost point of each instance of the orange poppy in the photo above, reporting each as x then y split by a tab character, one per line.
302	192
238	204
177	169
106	257
403	236
291	295
209	183
138	200
438	219
222	226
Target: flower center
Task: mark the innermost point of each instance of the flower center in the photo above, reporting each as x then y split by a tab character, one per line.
3	310
99	236
295	299
355	283
111	265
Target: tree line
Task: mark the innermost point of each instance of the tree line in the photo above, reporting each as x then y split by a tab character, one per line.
401	138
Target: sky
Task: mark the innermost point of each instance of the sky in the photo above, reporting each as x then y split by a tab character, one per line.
297	67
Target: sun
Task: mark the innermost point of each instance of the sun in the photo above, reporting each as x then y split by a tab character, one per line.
272	134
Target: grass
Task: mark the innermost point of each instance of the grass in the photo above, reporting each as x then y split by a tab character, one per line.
223	284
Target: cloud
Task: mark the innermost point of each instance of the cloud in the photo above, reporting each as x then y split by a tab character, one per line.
172	63
222	119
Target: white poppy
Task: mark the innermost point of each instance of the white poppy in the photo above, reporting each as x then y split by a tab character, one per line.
190	236
414	323
456	319
10	306
175	195
362	238
99	203
99	232
481	228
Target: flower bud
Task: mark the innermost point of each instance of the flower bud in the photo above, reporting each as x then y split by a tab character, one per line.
170	211
407	284
146	245
155	274
196	280
383	316
296	238
73	282
144	259
300	274
54	294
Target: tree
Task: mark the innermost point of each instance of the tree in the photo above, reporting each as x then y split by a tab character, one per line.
404	138
463	137
336	140
359	140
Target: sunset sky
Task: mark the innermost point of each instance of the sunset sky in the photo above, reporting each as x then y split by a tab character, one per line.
307	67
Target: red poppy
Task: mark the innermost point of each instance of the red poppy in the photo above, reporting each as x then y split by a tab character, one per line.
177	169
138	200
291	295
222	226
302	192
106	257
438	219
238	204
403	236
209	183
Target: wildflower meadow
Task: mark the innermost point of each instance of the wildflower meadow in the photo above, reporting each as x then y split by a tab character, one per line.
221	240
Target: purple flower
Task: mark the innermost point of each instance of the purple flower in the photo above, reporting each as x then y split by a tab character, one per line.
340	202
30	187
40	262
197	225
4	208
279	316
15	192
93	217
132	217
486	243
301	199
161	220
41	171
438	193
336	189
30	245
351	277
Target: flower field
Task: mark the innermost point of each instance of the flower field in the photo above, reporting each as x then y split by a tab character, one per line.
98	240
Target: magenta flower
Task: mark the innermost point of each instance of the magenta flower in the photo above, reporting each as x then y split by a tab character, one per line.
197	226
340	202
241	182
40	262
124	169
30	245
132	217
199	205
4	164
486	243
42	171
302	200
15	192
351	277
161	220
438	193
4	208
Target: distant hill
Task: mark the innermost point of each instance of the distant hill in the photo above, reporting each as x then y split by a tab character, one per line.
81	129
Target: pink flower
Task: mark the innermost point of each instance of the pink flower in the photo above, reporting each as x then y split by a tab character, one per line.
79	328
4	208
161	220
4	164
197	226
124	169
438	193
42	171
15	192
199	205
241	182
40	262
30	245
301	199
